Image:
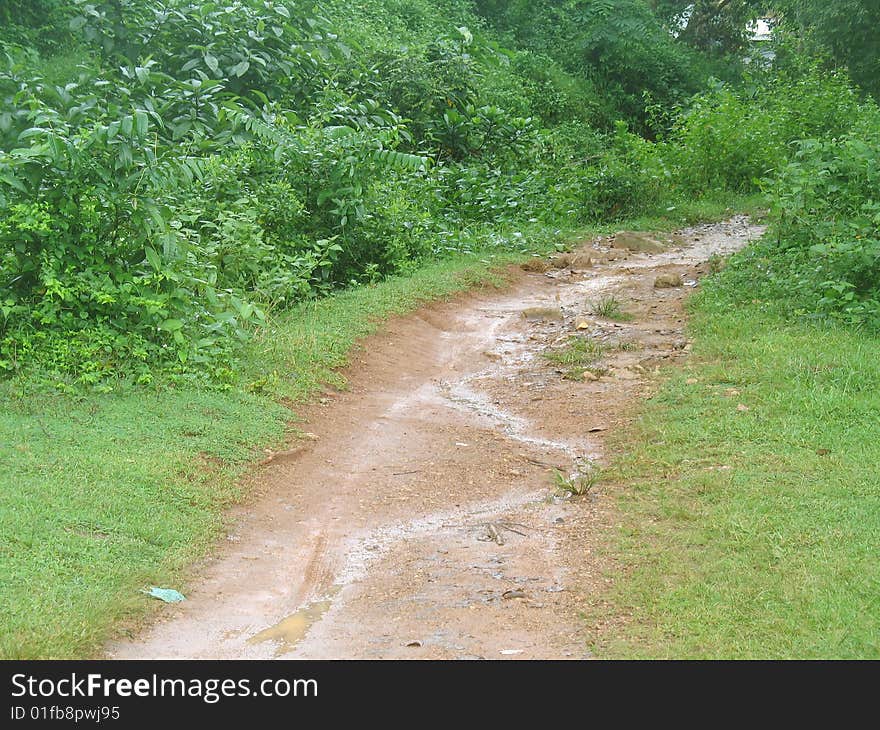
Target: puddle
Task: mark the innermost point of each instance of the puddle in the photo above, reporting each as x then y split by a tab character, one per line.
291	630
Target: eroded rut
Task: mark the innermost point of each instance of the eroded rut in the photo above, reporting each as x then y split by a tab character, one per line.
420	519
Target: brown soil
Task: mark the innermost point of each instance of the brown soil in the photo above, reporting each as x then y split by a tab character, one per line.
420	518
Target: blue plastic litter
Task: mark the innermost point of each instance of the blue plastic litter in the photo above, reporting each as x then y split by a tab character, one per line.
169	595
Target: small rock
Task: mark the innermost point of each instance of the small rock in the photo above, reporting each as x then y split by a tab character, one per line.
742	408
415	643
589	375
668	281
537	266
640	242
625	374
572	261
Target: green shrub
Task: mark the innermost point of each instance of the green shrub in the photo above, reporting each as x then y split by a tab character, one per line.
821	256
628	177
41	23
732	138
190	167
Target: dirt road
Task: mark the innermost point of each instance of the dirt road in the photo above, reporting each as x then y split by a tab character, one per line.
420	517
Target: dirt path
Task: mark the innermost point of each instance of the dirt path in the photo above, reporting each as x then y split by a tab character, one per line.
420	519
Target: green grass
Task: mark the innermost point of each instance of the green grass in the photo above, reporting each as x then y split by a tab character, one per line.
610	307
575	356
751	497
103	494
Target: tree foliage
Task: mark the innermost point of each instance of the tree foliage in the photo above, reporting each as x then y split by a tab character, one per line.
720	27
172	173
846	30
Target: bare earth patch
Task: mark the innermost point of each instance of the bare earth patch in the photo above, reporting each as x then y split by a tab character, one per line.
421	517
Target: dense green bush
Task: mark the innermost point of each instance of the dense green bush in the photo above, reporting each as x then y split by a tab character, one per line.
827	226
845	32
186	169
821	256
614	51
732	138
208	164
39	23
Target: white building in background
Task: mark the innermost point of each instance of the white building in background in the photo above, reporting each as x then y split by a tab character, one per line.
761	30
761	33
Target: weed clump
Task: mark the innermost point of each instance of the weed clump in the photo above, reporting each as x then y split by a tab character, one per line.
578	484
610	307
577	354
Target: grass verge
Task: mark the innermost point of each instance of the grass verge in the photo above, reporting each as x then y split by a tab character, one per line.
751	511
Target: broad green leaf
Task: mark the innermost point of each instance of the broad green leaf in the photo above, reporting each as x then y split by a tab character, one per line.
337	132
141	124
125	158
57	147
13	181
153	258
30	133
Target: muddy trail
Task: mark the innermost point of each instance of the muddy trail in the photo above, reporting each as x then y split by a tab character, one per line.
422	516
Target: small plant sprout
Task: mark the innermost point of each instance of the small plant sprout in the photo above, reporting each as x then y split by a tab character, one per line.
628	346
579	483
610	307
